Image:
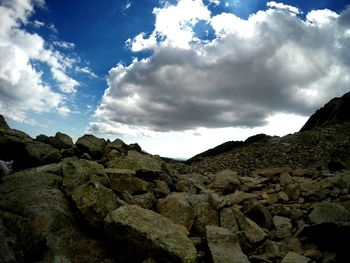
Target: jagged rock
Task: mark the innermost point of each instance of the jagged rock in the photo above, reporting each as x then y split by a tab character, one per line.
161	189
91	145
283	226
115	149
204	215
228	219
149	233
146	200
126	181
94	201
293	257
250	229
329	212
40	153
224	246
225	182
77	172
177	208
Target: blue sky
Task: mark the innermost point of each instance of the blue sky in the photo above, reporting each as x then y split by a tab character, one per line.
177	77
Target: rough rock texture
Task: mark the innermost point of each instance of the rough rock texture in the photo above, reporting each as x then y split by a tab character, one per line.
91	145
151	233
224	246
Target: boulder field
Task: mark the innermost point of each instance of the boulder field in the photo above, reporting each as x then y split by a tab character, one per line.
273	200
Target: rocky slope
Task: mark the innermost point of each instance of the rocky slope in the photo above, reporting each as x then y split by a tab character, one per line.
272	200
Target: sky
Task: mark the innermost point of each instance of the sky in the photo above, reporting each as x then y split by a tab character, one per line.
175	76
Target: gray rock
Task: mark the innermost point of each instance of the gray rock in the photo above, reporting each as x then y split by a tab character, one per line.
62	141
293	257
151	234
186	186
78	172
283	226
224	246
94	201
115	149
126	181
146	200
205	215
250	229
91	145
39	153
225	182
137	161
39	214
329	212
177	208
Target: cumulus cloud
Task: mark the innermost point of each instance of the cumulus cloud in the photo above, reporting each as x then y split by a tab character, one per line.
273	62
22	87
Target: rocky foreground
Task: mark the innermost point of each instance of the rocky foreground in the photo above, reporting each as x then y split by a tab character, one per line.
272	200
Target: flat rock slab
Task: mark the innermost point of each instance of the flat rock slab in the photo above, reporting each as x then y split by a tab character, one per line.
223	245
150	233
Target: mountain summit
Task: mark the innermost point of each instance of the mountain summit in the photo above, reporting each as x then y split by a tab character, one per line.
336	111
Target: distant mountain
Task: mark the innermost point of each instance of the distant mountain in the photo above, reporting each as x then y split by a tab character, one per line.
228	146
336	111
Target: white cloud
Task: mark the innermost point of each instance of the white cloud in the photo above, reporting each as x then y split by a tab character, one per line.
321	17
86	70
22	88
282	6
269	64
64	44
38	24
174	24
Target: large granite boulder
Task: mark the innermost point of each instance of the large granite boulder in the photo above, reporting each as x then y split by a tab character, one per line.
149	234
35	210
126	181
92	145
142	163
77	172
177	208
40	154
94	201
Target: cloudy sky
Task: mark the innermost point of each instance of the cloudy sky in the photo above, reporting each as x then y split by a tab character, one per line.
176	76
